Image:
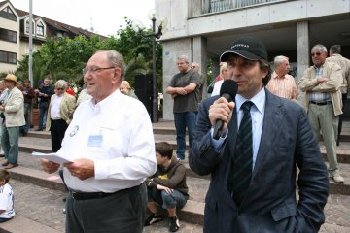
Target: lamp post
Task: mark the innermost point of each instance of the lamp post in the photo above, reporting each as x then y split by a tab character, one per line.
30	62
157	32
154	75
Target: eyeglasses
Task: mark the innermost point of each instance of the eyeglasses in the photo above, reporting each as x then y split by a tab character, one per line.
95	69
317	53
59	89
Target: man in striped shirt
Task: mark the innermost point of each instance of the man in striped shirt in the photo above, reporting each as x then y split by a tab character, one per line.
282	84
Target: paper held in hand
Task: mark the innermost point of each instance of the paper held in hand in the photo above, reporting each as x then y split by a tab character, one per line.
53	157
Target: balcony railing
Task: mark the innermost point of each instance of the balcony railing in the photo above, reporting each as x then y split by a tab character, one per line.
224	5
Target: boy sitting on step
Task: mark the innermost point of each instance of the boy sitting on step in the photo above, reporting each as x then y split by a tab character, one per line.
167	188
6	197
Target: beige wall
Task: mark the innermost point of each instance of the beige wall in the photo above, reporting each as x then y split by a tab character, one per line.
24	49
7	46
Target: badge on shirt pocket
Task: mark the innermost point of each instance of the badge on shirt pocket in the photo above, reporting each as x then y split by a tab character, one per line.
95	140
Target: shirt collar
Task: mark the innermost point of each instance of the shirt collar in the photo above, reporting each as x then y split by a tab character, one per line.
258	100
97	107
275	76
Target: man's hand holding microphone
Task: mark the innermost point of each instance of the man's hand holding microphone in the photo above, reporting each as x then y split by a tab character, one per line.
221	111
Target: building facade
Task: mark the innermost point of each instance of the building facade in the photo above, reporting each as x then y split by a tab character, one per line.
203	29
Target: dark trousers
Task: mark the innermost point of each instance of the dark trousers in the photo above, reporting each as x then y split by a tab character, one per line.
182	121
43	108
58	128
341	117
122	212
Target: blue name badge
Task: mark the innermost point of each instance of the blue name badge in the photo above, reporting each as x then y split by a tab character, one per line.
95	140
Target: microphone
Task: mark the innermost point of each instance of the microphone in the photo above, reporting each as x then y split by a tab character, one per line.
229	91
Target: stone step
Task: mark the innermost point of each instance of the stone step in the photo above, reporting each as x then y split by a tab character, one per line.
21	224
43	143
29	171
161	130
192	212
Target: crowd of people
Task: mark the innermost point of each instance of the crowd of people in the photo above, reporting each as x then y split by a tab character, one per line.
268	142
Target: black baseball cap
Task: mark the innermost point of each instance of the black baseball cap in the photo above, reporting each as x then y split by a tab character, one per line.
247	47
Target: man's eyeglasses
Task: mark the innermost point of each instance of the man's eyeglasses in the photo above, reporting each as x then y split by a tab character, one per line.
59	89
95	69
317	53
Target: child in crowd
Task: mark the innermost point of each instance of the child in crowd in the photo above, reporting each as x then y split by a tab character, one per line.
167	188
6	197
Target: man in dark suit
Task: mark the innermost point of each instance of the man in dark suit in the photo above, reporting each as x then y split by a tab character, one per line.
253	187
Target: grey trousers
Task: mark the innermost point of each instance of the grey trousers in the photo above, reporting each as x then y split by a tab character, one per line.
122	212
322	119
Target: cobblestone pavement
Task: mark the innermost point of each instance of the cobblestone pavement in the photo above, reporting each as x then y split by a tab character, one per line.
45	206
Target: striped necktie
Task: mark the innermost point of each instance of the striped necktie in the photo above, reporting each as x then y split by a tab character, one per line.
243	157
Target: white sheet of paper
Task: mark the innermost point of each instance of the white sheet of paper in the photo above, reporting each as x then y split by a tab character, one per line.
54	157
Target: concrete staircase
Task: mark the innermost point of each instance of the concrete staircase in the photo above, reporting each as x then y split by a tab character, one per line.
29	168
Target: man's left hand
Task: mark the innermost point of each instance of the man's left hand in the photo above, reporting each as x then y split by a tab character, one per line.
81	168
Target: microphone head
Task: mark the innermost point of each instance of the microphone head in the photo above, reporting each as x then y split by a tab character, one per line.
229	87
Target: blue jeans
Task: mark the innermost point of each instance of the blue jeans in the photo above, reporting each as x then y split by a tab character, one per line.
9	142
43	108
176	199
183	120
27	115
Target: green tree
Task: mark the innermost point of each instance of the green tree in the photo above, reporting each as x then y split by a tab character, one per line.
65	57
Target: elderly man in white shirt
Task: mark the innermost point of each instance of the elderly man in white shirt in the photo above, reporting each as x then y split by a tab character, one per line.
111	143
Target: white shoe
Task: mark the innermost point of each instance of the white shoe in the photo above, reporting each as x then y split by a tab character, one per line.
337	178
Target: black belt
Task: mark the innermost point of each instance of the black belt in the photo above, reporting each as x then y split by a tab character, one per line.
97	195
320	103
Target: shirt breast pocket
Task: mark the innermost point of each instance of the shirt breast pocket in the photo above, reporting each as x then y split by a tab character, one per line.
113	141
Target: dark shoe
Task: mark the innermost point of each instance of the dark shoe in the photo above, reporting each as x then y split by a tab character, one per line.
39	129
174	224
10	166
152	219
5	164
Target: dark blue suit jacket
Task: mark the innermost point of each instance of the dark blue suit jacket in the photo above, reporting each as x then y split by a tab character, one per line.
271	203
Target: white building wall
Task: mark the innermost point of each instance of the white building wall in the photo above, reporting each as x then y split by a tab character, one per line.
182	25
186	25
8	46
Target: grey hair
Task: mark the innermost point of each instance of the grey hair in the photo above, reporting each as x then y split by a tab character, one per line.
335	49
184	57
61	84
116	58
320	47
279	59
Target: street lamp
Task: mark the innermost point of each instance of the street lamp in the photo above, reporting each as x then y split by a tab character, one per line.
157	32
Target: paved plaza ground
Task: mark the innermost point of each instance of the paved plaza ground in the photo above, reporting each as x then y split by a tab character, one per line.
39	209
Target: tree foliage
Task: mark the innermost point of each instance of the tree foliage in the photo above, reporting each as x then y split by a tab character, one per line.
64	58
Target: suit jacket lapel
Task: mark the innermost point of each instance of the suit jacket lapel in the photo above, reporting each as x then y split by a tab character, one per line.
272	121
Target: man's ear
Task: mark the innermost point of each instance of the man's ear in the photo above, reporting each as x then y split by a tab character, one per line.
117	75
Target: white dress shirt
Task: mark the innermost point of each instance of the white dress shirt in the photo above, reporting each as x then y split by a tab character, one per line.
6	201
117	135
217	88
55	107
257	114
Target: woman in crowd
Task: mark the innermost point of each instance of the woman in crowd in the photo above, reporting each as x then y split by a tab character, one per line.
126	89
60	113
224	76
